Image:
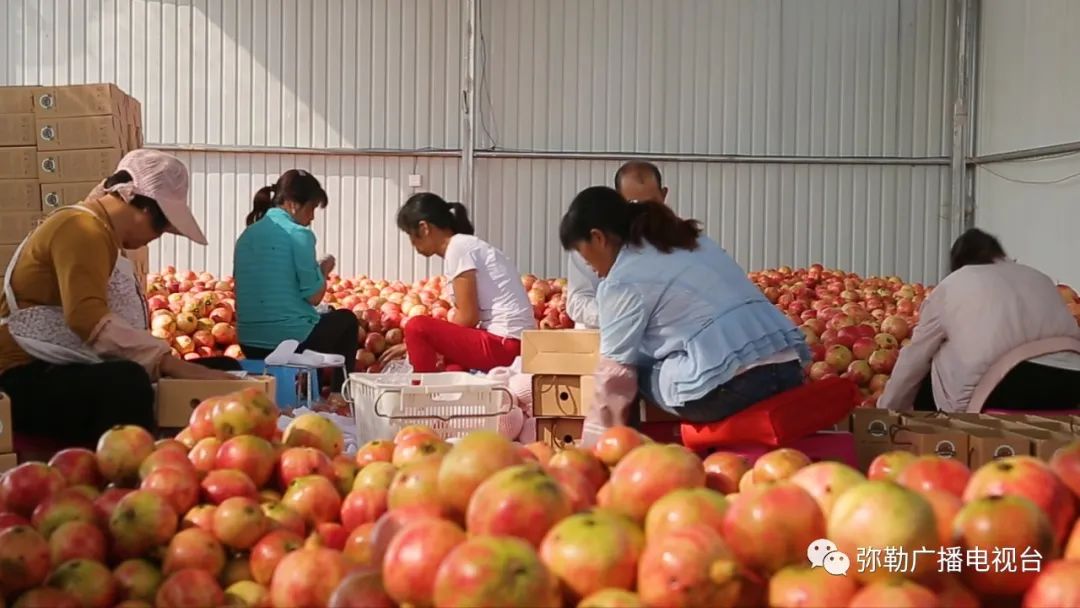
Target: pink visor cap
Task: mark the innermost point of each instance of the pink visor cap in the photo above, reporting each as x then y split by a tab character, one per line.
164	178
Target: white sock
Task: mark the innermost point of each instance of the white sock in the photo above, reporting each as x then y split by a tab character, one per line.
282	353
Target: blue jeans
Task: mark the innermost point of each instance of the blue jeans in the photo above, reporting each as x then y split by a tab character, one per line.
750	387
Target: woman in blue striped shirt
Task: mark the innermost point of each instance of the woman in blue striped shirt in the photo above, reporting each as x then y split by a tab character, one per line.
679	319
279	281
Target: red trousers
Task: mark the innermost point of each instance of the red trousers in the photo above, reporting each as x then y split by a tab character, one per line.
463	348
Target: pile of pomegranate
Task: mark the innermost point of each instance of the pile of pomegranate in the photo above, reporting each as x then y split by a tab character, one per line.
234	512
855	326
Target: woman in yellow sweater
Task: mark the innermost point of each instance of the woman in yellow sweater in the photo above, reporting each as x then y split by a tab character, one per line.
76	356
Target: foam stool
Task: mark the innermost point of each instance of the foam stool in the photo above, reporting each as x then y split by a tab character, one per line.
779	420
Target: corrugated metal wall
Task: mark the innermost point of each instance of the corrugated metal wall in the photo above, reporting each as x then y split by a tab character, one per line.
745	77
1029	82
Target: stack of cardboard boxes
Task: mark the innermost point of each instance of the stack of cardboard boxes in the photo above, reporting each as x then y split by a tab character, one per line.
7	437
562	363
973	439
56	144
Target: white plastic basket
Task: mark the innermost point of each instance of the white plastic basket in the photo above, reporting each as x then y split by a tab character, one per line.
452	403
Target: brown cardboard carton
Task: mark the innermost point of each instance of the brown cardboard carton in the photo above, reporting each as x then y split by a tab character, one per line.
17	130
78	133
8	461
560	352
177	398
561	396
559	432
17	100
1043	443
54	196
7	437
19	195
15	225
18	163
78	100
933	440
77	165
985	445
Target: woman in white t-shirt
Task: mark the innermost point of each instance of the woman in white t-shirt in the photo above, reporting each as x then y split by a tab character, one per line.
492	308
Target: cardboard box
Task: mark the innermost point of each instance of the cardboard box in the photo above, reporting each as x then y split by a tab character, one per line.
559	432
7	437
54	196
933	440
1041	442
560	352
562	396
17	100
17	130
78	100
79	133
177	398
77	165
19	195
6	253
8	461
15	225
18	163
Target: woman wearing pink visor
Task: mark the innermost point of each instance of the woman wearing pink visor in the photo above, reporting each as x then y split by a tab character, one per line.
76	356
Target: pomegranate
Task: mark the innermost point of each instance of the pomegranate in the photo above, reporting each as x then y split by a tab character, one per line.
363	506
1056	587
359	547
88	581
593	551
180	488
203	455
581	493
282	517
375	475
315	431
416	483
495	571
771	526
77	540
137	579
690	567
27	485
1028	477
189	588
199	516
239	522
520	501
60	508
361	589
827	481
888	466
945	506
24	556
474	458
648	473
307	577
612	598
413	557
796	586
222	484
778	464
418	447
1065	463
166	458
723	470
685	507
583	462
78	466
266	553
1003	523
47	597
300	462
120	451
378	450
880	514
927	473
251	455
314	498
194	548
615	443
141	521
898	592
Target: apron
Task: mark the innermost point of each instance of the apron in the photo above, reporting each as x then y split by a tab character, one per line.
43	333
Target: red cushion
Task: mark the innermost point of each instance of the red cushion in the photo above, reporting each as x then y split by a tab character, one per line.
787	417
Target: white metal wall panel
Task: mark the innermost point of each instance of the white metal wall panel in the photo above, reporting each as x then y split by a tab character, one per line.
292	73
1029	81
358	226
763	77
866	219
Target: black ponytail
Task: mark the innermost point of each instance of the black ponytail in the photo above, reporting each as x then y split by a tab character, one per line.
602	208
158	221
294	185
432	209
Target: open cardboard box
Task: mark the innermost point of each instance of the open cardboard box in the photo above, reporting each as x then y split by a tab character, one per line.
561	352
176	399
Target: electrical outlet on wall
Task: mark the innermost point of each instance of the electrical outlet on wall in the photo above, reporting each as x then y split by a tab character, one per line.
415	180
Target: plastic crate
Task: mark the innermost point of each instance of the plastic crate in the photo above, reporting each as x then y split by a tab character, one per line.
452	403
295	386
